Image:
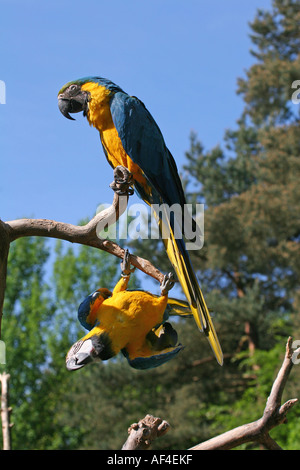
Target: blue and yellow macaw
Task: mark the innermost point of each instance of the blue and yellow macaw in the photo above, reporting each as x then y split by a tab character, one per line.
131	138
131	322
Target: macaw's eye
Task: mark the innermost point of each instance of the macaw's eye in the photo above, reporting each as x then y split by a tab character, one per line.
74	90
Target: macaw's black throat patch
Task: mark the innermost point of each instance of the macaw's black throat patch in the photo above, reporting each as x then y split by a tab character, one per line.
102	346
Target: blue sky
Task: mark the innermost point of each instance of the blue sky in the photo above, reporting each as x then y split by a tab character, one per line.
181	58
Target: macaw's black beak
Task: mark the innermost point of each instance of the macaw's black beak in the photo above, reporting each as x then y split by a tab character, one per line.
80	354
95	348
73	100
65	108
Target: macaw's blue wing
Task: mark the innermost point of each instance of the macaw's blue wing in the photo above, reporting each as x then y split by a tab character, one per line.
160	347
143	142
88	309
85	309
153	361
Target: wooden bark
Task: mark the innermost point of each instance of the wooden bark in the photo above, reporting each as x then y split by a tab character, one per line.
143	433
4	249
5	411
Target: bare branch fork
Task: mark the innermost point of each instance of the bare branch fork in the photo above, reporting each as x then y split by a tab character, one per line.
141	434
273	415
84	235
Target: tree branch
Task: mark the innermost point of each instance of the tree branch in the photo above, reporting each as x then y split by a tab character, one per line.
85	235
4	250
274	414
142	434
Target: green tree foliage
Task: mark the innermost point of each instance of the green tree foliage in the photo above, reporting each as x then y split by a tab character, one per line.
39	325
25	321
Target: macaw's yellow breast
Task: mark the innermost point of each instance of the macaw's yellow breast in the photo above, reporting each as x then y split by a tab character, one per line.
128	317
99	116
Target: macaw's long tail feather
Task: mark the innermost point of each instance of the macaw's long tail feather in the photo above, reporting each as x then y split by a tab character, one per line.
189	283
179	257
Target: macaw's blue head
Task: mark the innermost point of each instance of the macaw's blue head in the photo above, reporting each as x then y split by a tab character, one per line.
73	98
95	345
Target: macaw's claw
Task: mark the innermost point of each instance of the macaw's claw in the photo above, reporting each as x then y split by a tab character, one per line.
123	181
125	265
167	283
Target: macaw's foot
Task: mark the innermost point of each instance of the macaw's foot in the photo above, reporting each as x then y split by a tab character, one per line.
125	265
123	181
167	284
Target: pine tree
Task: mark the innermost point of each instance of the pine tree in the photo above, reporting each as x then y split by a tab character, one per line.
251	186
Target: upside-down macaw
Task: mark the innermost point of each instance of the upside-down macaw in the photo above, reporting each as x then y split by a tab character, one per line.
131	138
131	322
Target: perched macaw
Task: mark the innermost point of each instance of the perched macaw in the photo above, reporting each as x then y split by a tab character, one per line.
131	138
131	322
